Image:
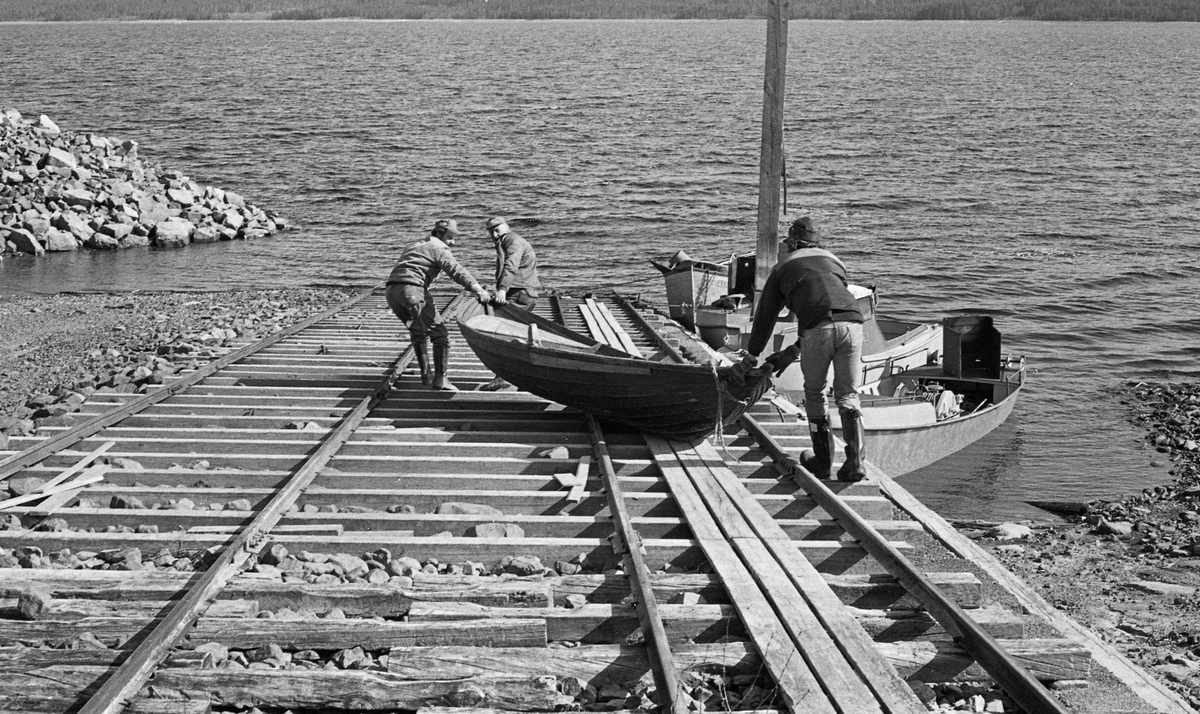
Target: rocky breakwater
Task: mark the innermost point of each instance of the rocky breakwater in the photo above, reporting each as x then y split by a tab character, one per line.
62	191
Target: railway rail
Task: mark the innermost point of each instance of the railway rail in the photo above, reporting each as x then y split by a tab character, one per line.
301	525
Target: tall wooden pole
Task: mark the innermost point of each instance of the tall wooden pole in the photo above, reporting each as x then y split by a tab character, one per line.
771	159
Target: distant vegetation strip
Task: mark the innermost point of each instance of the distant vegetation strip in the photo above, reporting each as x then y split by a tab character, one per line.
1103	10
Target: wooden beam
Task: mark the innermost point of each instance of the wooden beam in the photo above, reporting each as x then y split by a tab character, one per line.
771	164
362	690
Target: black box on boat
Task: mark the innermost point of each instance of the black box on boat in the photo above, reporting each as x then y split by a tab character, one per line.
970	347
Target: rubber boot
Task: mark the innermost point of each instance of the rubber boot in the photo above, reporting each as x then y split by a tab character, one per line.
856	447
820	460
441	364
421	350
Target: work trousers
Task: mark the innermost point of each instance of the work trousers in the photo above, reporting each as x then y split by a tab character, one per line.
520	297
414	306
838	344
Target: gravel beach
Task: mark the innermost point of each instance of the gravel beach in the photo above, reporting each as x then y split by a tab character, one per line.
57	349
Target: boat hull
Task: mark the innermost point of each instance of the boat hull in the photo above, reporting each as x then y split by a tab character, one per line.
678	401
897	449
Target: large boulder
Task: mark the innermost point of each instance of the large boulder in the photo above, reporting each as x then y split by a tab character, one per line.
181	196
173	232
58	157
73	223
47	126
60	241
206	233
116	230
99	241
78	197
22	239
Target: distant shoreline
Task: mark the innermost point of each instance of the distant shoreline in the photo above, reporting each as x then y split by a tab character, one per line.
181	20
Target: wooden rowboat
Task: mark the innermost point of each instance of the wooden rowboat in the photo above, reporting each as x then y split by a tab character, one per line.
675	400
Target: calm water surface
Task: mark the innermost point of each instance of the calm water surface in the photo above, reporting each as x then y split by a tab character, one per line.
1046	174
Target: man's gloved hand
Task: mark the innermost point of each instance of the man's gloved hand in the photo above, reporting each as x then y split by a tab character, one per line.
782	359
481	295
499	299
738	371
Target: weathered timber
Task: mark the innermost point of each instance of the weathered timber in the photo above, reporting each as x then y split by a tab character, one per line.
144	705
359	690
595	664
946	661
896	624
369	634
65	610
931	661
869	592
596	623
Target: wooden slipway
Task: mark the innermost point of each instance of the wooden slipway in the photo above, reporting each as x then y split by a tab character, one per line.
298	546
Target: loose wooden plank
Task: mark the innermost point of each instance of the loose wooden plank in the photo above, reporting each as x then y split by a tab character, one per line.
89	476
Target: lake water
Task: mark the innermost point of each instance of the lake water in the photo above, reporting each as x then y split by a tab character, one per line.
1043	173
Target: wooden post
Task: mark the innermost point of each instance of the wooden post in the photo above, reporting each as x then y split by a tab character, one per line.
771	158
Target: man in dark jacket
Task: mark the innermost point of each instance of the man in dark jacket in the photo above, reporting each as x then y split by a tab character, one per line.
516	266
811	282
408	296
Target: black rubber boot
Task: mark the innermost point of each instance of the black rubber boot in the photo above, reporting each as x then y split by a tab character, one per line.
441	364
820	459
856	447
421	350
